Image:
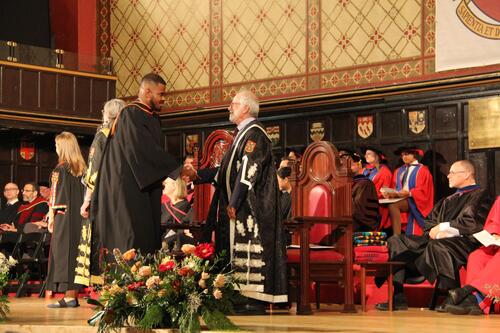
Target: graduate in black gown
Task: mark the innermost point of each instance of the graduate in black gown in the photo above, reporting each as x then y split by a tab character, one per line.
65	221
447	239
126	203
245	208
176	210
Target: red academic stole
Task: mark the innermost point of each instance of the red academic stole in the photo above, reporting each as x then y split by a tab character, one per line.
26	213
174	211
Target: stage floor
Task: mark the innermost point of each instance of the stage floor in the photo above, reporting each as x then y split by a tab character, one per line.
30	315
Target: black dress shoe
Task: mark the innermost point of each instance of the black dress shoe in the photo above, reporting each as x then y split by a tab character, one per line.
443	306
459	294
399	303
415	279
250	309
467	306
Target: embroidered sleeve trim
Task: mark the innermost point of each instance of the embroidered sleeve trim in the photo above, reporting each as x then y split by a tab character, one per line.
254	277
240	262
243	173
243	247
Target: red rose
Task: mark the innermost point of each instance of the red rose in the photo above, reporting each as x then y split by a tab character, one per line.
168	266
133	286
204	251
176	285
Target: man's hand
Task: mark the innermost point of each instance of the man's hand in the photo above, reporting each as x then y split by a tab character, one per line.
188	171
434	232
84	209
50	224
41	224
8	227
231	212
403	194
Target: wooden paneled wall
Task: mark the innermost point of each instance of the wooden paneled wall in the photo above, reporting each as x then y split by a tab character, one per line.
444	138
33	90
15	168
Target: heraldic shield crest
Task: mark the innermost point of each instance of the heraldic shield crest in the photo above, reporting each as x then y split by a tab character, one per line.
416	121
365	126
273	132
27	150
317	131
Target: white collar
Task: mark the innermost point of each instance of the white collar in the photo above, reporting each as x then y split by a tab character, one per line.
245	122
13	201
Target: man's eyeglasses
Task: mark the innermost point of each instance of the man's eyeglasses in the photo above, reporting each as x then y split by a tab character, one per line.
234	103
10	189
24	191
455	172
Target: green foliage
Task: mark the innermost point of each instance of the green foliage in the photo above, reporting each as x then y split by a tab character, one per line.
216	320
159	291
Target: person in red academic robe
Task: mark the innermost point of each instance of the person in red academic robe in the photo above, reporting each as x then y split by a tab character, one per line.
379	173
482	283
413	183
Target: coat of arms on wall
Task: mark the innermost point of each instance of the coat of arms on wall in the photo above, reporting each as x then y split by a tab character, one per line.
416	121
317	131
191	143
274	134
365	126
27	150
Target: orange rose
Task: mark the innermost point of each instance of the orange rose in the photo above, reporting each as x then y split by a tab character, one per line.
145	271
153	281
185	271
219	281
217	294
188	248
129	255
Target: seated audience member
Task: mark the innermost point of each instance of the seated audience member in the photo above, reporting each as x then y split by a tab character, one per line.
33	210
285	191
285	197
481	291
379	173
414	185
364	195
8	213
176	210
447	241
44	188
285	162
189	160
29	217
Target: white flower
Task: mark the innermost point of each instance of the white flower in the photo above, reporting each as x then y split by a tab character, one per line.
12	261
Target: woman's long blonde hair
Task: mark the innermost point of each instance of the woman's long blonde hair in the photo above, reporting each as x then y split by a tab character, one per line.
69	152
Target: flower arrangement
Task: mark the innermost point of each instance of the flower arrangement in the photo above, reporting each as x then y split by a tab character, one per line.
5	265
161	291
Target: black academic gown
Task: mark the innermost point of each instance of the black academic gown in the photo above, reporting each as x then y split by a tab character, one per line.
88	255
126	202
246	180
364	204
67	192
180	213
8	214
466	211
